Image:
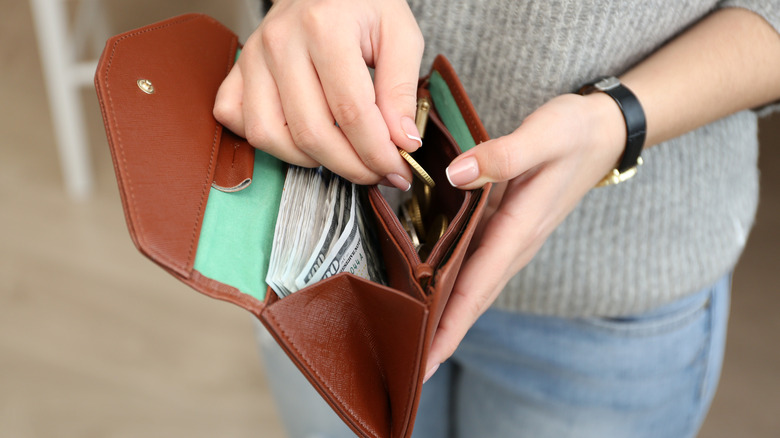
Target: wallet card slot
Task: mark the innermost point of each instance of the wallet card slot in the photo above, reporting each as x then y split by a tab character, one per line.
437	153
237	230
235	163
458	205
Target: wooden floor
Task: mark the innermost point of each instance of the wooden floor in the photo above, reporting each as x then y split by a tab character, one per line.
95	341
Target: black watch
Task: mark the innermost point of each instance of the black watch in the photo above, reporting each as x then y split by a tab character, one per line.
634	115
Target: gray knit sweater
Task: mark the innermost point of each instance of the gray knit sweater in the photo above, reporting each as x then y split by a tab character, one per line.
676	227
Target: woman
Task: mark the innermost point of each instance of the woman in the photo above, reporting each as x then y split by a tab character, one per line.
581	311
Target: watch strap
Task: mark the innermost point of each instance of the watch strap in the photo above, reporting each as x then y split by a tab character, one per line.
634	115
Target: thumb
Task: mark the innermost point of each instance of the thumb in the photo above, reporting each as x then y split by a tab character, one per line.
395	81
496	160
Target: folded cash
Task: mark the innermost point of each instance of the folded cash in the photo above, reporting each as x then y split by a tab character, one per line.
320	231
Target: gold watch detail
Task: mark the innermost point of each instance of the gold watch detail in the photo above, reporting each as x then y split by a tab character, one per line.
616	177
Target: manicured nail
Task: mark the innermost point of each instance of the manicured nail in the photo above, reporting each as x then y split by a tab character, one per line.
410	129
430	372
463	172
399	182
385	182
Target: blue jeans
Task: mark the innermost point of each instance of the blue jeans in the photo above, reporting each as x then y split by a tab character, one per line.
519	375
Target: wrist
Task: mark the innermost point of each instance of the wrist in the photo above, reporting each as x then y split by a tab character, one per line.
607	131
635	122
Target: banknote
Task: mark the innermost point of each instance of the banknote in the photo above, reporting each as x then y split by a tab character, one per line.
321	230
334	226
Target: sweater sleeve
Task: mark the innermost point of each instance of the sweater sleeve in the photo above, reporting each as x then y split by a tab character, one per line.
769	10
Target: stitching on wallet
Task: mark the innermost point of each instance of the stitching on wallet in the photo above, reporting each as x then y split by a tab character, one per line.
134	214
410	280
412	382
206	186
343	405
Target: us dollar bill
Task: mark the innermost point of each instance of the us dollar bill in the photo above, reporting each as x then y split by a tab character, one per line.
321	230
349	254
334	227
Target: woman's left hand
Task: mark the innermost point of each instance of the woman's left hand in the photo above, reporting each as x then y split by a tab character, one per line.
567	145
542	170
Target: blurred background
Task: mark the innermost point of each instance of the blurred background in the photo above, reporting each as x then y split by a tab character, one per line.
96	341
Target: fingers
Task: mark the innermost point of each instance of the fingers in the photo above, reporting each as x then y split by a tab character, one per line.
310	122
480	281
349	93
495	160
265	123
249	106
395	80
228	105
501	159
302	91
510	238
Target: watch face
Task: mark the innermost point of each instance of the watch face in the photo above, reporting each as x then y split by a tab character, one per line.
607	83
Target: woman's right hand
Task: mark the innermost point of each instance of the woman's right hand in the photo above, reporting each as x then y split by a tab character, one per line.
301	89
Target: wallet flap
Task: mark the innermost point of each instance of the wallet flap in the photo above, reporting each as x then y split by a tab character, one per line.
360	345
156	86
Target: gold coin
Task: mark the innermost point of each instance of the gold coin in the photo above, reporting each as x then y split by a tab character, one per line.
436	229
413	206
417	169
406	222
424	194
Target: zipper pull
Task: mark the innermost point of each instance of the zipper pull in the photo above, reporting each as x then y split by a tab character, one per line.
421	117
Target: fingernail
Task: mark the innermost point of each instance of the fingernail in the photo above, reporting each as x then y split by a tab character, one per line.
385	182
462	172
399	182
410	129
430	372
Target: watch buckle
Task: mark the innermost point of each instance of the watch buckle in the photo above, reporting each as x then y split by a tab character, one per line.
617	177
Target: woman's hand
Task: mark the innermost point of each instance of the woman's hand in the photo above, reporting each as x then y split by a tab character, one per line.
301	89
543	169
571	142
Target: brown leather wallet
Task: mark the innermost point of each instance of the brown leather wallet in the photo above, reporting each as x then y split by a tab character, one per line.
362	345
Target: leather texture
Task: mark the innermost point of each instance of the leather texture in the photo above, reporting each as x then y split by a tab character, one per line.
362	345
165	144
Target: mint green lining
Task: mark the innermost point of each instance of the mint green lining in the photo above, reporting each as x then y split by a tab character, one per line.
238	228
449	112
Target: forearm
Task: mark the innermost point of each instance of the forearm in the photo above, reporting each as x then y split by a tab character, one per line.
728	62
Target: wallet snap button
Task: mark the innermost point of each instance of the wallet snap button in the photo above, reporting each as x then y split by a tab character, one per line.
146	86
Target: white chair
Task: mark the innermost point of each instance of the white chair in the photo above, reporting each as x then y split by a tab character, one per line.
62	48
65	75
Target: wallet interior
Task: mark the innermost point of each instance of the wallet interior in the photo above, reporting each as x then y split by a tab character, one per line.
237	230
371	373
